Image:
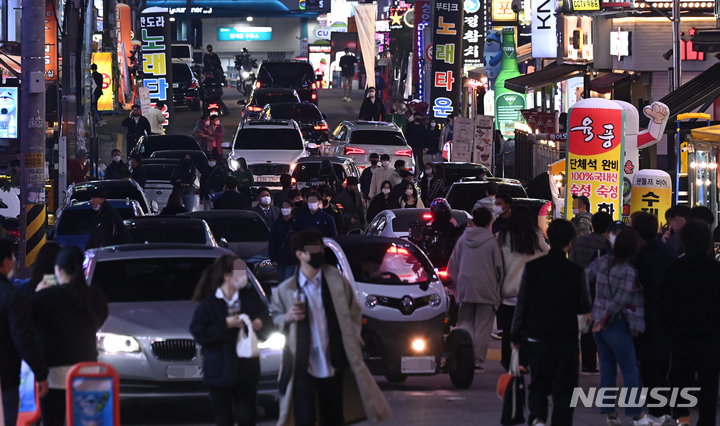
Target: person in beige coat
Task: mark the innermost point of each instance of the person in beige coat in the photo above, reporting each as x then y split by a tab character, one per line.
323	376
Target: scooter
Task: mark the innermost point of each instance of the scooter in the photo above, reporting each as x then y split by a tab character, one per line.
246	66
212	99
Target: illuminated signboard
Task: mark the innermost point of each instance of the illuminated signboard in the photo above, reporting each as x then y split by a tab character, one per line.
502	11
50	42
585	5
473	34
446	78
8	112
156	59
620	43
193	10
396	18
543	36
245	33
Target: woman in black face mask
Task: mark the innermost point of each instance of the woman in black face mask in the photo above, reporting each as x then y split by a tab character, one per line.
184	179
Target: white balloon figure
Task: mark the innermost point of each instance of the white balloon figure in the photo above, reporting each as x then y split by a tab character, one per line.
658	113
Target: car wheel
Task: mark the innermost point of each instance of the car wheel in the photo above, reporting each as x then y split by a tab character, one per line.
195	105
462	372
272	410
396	378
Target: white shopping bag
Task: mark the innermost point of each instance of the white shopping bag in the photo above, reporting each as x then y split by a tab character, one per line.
247	343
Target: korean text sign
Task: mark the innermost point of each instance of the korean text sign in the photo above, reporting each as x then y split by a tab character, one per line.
156	59
446	78
651	192
51	41
596	139
103	60
473	34
423	13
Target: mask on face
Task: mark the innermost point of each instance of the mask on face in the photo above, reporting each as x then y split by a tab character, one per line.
373	162
433	124
317	260
96	208
409	192
326	202
386	164
211	163
241	283
575	212
286	211
428	172
265	201
207	123
498	210
612	238
386	191
417	120
371	95
484	178
299	204
216	122
313	206
116	158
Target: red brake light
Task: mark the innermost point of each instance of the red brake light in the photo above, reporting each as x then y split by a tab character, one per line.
15	233
252	108
314	96
442	274
213	106
321	126
293	182
314	86
353	151
404	153
192	85
397	250
427	216
257	84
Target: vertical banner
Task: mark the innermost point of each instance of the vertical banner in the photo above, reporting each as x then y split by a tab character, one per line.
365	21
651	192
51	41
473	35
544	39
103	60
124	43
156	59
446	77
423	14
596	140
483	142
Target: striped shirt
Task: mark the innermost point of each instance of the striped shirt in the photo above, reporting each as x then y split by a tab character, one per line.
617	289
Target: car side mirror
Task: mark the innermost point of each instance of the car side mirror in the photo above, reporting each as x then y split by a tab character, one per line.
223	243
154	207
242	102
225	145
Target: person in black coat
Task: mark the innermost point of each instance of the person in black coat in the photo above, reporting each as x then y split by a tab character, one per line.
174	206
117	167
67	315
415	135
183	181
313	217
367	174
108	228
18	338
372	109
231	199
278	247
350	199
383	201
268	212
432	141
212	180
224	294
137	126
138	171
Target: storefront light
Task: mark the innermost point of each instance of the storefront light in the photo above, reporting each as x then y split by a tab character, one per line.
693	165
708	183
697	4
703	165
699	182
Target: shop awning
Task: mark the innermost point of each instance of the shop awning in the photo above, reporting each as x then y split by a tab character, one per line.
709	134
557	167
477	73
524	53
605	83
697	92
549	75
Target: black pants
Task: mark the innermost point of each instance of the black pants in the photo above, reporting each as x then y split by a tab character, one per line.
53	408
588	350
653	374
704	364
240	399
312	396
553	371
504	317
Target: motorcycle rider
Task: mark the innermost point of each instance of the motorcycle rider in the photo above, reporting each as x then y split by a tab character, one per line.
212	90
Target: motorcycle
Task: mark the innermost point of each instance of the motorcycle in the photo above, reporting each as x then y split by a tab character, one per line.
414	107
212	97
245	65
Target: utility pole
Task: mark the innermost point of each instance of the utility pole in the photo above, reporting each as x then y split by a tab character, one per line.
677	71
32	141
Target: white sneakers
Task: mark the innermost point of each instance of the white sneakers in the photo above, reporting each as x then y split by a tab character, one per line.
346	99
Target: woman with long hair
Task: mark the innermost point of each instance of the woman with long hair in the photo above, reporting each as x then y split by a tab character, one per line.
619	315
432	183
245	178
521	241
44	265
224	293
67	314
409	198
382	201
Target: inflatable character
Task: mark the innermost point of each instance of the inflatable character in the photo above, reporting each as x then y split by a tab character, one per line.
8	114
492	55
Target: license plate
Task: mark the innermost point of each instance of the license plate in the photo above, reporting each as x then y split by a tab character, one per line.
184	372
267	178
176	85
418	364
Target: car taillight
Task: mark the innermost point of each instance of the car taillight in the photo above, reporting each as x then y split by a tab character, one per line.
314	96
442	274
192	85
314	86
254	108
353	151
257	84
213	106
15	233
404	153
293	181
427	216
321	126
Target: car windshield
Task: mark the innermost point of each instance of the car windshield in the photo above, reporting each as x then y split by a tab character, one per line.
114	192
269	98
268	139
190	234
301	112
464	196
454	174
161	172
305	172
150	279
239	230
80	221
401	222
181	72
376	137
180	52
285	74
168	143
388	263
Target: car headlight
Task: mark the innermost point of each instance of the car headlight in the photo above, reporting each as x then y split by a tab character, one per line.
245	74
434	300
108	342
275	341
371	301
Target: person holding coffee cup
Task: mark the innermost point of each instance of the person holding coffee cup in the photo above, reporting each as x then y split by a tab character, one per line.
321	317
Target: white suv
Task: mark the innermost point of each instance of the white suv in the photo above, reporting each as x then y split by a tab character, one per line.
270	148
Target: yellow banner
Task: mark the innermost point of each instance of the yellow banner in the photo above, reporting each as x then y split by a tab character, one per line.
103	60
651	192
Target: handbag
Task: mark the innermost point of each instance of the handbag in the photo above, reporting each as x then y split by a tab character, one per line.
513	410
247	342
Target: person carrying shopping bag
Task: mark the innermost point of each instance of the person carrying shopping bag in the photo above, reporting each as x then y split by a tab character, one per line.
226	299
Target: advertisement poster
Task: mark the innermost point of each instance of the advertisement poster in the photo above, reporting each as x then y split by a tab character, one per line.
651	192
51	41
596	139
463	131
446	79
483	150
156	60
9	111
103	60
92	401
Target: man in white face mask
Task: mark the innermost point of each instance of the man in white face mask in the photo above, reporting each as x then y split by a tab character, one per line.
385	173
316	218
502	211
107	228
372	108
269	213
117	168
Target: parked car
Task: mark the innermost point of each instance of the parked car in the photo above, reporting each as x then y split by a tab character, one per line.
395	223
359	139
312	122
186	86
116	189
455	172
169	229
271	148
307	168
261	97
247	235
74	223
148	144
158	186
199	158
404	308
289	74
146	337
464	195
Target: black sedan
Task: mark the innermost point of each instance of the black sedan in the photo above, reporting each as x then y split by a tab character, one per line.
312	122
